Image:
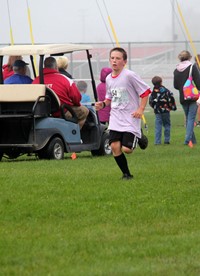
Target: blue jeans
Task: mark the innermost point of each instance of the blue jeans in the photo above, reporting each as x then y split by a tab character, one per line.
162	119
190	110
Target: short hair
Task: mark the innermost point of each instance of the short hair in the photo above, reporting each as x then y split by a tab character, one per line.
82	85
62	62
121	50
184	55
157	81
50	62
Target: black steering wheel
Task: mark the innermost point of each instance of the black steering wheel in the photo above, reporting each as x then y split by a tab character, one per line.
64	108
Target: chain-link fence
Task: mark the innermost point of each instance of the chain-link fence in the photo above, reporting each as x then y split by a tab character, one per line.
147	59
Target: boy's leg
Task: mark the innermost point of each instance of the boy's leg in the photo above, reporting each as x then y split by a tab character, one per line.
158	129
120	158
123	164
126	141
167	127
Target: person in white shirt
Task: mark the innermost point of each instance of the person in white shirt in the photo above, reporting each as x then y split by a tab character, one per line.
128	95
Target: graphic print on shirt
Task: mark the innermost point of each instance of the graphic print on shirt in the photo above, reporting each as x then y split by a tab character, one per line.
119	97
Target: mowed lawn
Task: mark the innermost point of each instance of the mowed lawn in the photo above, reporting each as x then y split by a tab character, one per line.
77	217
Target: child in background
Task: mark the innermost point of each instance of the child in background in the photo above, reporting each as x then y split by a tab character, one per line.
162	102
82	87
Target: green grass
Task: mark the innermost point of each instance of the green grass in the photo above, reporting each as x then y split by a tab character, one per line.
76	217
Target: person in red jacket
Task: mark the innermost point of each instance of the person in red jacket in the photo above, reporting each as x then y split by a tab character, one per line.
65	88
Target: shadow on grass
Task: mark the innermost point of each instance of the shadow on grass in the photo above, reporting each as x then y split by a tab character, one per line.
34	157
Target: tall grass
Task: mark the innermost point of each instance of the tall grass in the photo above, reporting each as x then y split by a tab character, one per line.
77	217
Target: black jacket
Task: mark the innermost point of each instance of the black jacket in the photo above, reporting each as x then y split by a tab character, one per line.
162	100
64	72
181	77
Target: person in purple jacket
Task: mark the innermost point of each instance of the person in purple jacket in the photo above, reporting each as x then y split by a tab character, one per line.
104	114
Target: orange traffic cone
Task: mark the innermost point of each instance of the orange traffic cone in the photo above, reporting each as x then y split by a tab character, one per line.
73	156
190	144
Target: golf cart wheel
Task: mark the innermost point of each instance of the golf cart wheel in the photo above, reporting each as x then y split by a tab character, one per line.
105	148
55	149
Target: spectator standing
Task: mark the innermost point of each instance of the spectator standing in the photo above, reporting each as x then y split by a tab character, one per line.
181	74
162	101
104	114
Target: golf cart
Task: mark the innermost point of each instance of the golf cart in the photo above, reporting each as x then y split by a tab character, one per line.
26	121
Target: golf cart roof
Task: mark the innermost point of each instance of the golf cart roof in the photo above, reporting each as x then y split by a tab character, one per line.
42	49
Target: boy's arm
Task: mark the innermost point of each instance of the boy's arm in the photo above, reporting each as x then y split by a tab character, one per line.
139	112
173	102
101	105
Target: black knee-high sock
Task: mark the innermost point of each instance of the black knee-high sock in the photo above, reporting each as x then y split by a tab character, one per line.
122	163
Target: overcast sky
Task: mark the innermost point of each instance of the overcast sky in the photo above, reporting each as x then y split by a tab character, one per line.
76	21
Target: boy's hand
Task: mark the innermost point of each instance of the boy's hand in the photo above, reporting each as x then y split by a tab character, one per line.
138	113
98	105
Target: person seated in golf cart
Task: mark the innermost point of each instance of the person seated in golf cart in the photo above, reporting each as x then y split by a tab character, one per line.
7	69
65	89
62	63
20	74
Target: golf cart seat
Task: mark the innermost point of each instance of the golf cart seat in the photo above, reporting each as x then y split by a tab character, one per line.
59	110
32	100
54	100
20	100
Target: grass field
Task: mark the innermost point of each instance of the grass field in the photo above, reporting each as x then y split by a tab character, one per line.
76	217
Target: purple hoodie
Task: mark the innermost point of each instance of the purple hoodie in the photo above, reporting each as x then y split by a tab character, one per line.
104	113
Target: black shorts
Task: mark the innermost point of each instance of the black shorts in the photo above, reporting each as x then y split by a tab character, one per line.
127	139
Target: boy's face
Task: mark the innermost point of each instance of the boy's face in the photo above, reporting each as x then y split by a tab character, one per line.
117	62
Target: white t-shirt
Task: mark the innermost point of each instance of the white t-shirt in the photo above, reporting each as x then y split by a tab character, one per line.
124	92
